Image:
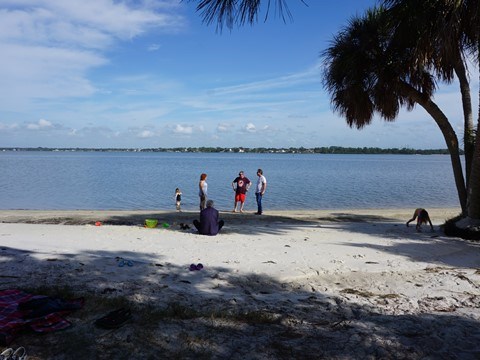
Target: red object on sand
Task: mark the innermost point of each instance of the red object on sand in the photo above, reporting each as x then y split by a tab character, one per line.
98	223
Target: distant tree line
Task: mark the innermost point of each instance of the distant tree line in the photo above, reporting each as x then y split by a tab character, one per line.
260	150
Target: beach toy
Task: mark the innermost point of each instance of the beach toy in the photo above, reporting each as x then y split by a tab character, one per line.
98	223
151	223
166	225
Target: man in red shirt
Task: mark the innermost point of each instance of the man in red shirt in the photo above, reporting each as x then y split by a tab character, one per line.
240	185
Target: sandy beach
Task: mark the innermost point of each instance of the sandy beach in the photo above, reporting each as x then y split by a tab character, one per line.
324	284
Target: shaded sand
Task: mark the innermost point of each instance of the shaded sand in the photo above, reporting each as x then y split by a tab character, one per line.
291	284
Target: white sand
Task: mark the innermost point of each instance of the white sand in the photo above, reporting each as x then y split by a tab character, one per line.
294	263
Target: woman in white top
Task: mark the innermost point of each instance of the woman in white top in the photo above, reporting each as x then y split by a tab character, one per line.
202	191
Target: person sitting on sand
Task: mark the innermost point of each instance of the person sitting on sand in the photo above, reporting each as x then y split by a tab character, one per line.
209	223
422	217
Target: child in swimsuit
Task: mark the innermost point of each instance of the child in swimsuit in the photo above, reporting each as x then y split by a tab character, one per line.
178	198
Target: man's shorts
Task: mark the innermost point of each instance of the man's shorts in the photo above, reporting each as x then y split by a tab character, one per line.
240	197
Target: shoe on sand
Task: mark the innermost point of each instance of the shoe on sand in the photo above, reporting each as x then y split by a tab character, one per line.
114	319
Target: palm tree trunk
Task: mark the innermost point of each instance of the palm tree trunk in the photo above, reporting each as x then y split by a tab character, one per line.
474	187
448	134
474	184
468	133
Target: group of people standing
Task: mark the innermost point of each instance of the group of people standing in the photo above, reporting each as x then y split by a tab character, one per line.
209	223
240	185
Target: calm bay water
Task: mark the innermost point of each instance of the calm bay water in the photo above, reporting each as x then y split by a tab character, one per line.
130	181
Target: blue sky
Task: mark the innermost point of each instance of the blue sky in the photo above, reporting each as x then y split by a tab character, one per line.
146	73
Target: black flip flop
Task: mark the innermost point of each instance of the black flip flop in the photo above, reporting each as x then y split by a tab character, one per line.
114	319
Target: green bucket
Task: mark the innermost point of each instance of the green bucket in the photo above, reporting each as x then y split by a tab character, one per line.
151	223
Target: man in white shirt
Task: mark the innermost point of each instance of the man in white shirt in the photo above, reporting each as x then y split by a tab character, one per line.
260	190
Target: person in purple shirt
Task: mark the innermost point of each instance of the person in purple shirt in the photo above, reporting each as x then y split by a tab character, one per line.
209	223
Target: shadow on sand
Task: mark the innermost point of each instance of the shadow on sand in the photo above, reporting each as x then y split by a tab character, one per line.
215	314
406	241
234	222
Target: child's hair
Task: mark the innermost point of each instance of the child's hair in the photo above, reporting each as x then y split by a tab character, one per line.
177	190
203	176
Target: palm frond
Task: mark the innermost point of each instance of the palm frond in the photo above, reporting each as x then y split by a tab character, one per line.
239	12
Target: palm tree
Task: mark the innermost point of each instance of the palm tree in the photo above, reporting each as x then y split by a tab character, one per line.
365	74
469	13
434	30
446	32
471	16
415	38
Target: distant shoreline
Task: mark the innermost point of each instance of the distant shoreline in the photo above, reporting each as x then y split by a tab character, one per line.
290	150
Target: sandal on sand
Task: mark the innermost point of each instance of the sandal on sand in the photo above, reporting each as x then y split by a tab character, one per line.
194	267
114	319
6	354
20	354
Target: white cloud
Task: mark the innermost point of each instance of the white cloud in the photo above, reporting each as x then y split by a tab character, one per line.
250	128
146	134
40	125
41	72
311	75
44	123
74	22
183	130
48	46
224	127
7	127
153	47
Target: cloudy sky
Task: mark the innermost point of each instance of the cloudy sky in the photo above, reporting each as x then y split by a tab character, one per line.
149	73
